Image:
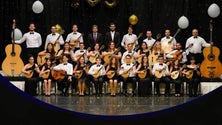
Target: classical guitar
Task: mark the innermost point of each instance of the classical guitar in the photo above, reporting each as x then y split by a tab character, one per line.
92	59
159	73
127	72
42	59
211	65
97	72
12	64
107	57
75	42
133	42
110	74
167	45
58	74
57	45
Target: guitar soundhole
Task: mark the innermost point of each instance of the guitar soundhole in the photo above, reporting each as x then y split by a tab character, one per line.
12	53
211	57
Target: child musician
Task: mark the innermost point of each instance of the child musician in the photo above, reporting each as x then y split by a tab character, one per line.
112	71
98	71
80	72
127	71
65	82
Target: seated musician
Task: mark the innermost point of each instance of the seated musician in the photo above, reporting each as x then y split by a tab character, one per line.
80	71
98	72
81	52
144	72
176	76
130	52
161	72
127	71
177	54
47	76
111	51
31	72
143	51
49	52
96	52
155	52
66	79
192	76
112	71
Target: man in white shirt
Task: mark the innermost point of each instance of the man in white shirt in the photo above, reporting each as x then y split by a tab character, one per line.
168	43
64	83
149	40
129	38
197	45
33	42
161	74
130	52
74	38
81	52
54	38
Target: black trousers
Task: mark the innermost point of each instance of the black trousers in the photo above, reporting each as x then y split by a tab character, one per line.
145	87
63	85
31	86
98	84
166	81
125	84
177	83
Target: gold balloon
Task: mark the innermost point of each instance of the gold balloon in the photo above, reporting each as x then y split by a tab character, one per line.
133	19
58	29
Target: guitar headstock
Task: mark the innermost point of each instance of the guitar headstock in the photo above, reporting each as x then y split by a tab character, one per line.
62	32
158	36
140	35
102	47
211	25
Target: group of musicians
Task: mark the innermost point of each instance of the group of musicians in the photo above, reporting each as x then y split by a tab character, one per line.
75	63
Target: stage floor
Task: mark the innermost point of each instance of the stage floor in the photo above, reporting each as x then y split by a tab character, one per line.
118	105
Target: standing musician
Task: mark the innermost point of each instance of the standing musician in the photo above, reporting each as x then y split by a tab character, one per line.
112	71
80	71
143	51
95	37
112	35
155	52
165	42
81	52
198	44
127	71
176	76
74	38
149	40
192	76
54	38
177	54
130	52
33	42
130	37
65	80
31	72
98	72
49	52
111	51
45	73
161	72
144	72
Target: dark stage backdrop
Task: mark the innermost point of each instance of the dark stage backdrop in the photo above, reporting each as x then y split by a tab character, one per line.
156	15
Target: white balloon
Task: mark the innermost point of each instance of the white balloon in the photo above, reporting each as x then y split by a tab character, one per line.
37	7
213	10
183	22
17	34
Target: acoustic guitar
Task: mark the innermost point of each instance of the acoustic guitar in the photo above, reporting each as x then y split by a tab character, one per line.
127	72
57	45
12	64
42	59
92	59
167	45
97	72
211	65
75	42
133	42
110	74
107	57
58	74
132	58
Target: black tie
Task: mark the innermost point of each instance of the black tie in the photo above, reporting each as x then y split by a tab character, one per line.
31	32
98	65
81	51
195	37
128	64
53	34
130	34
149	38
65	64
160	64
168	37
130	52
75	33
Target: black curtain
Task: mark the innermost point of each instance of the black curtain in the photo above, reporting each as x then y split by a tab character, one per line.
156	15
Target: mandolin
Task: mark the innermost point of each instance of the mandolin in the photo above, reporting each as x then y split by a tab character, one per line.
29	75
75	42
133	42
127	72
77	56
45	75
107	57
143	74
13	64
59	74
175	74
110	74
92	59
42	59
57	45
167	45
97	72
211	65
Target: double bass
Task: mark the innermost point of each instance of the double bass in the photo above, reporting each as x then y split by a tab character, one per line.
13	64
211	65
